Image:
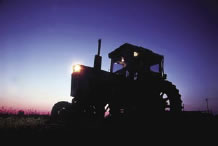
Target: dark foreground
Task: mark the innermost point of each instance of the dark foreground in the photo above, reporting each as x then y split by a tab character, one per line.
167	125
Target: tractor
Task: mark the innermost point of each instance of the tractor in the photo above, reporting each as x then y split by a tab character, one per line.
136	83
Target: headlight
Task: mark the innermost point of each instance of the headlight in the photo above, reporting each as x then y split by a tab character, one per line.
76	68
135	54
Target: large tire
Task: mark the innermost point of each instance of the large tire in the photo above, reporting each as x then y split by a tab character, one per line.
61	110
170	96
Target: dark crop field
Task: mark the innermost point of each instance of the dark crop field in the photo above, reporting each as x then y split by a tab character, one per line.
43	126
15	124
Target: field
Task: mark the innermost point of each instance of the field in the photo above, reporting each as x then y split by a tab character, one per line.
16	124
42	125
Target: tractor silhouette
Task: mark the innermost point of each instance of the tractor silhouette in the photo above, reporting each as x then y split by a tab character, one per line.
135	84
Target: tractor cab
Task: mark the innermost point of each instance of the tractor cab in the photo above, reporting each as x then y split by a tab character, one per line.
135	62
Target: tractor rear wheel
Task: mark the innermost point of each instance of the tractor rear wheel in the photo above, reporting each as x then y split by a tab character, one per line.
171	99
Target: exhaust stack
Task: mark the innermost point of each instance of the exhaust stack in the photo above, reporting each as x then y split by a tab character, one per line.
99	47
98	58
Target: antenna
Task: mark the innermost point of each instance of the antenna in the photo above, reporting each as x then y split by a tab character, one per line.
207	105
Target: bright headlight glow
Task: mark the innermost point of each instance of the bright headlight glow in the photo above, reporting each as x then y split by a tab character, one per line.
135	54
76	68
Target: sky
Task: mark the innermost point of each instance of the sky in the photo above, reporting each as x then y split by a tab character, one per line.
40	40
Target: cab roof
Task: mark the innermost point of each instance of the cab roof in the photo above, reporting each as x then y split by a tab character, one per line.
126	50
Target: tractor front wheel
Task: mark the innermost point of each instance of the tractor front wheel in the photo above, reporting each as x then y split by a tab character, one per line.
61	110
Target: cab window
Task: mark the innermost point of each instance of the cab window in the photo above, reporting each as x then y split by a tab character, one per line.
155	68
117	67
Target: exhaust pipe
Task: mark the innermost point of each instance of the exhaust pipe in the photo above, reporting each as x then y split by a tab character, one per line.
99	47
98	58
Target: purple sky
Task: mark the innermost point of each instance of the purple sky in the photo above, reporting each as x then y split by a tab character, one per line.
40	40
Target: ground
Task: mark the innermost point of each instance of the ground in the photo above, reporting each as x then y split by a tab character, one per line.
42	125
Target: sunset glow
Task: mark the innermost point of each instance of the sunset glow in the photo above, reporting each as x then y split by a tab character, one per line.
40	40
